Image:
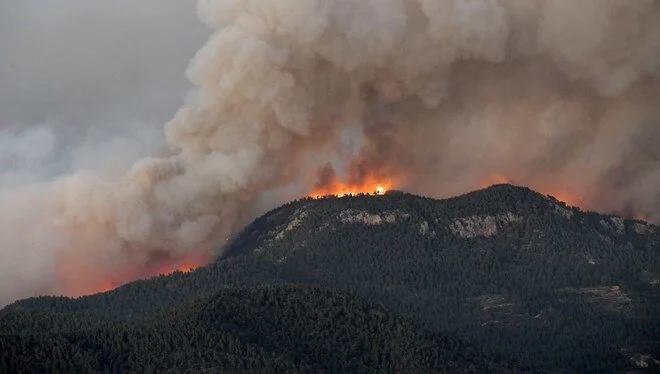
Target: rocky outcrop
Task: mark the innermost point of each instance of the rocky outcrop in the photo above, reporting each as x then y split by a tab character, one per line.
357	216
492	301
482	226
615	225
562	211
643	228
297	219
611	298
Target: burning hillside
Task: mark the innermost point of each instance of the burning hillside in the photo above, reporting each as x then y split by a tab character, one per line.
431	97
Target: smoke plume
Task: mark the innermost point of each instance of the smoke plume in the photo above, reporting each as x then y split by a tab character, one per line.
438	95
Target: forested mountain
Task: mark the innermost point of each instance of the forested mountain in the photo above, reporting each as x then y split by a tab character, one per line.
268	329
506	268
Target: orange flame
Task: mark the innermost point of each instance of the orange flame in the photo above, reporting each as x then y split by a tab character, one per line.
339	188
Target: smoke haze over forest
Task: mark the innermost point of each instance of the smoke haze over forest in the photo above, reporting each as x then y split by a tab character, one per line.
436	96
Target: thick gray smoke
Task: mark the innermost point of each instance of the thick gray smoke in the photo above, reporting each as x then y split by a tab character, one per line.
441	95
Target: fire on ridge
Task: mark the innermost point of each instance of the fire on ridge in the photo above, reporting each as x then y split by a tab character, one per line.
339	189
86	283
359	180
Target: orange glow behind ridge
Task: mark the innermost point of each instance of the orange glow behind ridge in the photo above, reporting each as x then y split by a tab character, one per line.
566	197
561	194
85	281
184	267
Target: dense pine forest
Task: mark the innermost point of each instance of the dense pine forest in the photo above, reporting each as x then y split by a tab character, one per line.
407	284
276	329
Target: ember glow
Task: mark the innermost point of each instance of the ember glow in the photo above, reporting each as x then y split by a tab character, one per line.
82	283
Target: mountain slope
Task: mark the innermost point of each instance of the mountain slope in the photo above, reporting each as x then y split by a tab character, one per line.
521	273
264	329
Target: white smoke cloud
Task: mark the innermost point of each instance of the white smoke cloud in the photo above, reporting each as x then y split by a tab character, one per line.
447	92
85	89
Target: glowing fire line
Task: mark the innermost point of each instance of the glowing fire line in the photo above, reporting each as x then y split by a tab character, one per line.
340	190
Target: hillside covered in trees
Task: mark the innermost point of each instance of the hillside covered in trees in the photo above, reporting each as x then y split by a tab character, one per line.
506	269
269	329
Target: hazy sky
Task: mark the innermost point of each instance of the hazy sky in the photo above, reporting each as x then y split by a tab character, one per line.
87	62
84	85
546	94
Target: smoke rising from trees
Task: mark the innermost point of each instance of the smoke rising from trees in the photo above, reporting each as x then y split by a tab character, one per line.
440	94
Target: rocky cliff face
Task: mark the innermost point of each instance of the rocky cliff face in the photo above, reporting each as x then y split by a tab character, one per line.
485	226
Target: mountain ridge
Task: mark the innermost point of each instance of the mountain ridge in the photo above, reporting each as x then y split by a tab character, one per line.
503	266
